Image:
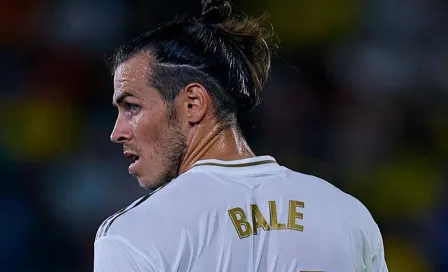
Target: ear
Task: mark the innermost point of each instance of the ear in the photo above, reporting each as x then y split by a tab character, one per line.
196	102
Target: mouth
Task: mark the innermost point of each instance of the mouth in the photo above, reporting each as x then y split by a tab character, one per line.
133	158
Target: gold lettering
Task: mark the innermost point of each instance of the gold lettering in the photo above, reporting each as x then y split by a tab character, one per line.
258	219
293	215
274	219
245	229
240	222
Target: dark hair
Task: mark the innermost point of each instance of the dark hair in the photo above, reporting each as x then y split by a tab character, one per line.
228	54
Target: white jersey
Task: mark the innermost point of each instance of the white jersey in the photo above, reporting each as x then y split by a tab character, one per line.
246	215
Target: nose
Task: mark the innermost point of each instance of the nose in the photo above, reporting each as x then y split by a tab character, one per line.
120	133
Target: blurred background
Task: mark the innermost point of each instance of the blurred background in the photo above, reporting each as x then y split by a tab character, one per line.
366	108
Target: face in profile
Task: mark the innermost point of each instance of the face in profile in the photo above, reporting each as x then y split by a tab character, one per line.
146	126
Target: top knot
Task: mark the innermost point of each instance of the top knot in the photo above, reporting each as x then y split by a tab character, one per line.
215	11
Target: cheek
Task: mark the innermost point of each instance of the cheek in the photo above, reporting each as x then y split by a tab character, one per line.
149	132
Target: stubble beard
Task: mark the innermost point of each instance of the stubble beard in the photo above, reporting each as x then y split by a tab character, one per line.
171	152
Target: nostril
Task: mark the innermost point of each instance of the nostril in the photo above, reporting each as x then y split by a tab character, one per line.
121	139
117	139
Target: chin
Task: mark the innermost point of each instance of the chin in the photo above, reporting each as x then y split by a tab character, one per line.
149	184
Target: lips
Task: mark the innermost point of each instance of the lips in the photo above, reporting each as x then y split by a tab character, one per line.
133	159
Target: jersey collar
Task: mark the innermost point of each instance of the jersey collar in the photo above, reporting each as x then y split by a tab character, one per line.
254	164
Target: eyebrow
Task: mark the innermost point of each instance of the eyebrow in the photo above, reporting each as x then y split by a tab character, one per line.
119	99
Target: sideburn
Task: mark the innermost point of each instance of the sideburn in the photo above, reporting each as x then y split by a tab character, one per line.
178	145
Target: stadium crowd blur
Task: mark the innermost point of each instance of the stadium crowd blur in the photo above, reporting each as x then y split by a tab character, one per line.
366	109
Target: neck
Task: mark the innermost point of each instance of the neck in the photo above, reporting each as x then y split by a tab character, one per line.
213	141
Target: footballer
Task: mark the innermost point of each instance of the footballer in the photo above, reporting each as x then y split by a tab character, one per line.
213	204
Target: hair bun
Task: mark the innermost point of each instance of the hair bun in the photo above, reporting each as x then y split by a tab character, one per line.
215	11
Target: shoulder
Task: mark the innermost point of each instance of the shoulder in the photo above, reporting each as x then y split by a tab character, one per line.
129	222
318	188
119	223
332	198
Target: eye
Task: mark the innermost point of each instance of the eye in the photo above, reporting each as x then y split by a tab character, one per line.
133	107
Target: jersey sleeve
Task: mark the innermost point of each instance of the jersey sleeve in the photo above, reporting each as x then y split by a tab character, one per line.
116	254
379	261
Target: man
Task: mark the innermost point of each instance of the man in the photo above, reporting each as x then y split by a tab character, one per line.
179	91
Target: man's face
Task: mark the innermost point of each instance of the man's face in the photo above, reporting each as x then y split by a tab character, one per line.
152	141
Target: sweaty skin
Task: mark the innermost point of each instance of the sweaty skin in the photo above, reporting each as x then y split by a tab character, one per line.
209	141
